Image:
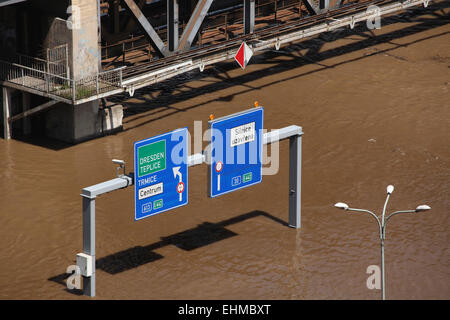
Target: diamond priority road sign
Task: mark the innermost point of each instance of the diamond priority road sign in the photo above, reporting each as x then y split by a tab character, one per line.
243	55
161	173
235	151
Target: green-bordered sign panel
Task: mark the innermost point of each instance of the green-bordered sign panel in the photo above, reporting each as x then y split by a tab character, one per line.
161	173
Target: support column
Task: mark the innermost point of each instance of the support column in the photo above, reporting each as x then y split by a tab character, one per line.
115	15
99	32
172	24
249	16
85	40
26	122
89	242
295	180
324	4
6	113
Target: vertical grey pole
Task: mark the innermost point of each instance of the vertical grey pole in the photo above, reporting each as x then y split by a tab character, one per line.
383	283
74	90
89	242
324	4
172	25
295	179
67	62
249	16
6	113
26	123
99	35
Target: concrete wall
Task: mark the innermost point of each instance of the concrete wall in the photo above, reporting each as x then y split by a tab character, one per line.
47	27
85	37
81	122
75	124
8	33
59	122
57	35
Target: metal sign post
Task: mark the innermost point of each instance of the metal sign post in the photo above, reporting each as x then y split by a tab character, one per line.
86	260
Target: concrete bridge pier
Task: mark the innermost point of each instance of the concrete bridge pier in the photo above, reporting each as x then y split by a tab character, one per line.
6	103
78	123
76	24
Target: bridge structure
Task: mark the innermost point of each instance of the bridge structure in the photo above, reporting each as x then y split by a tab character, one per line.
61	60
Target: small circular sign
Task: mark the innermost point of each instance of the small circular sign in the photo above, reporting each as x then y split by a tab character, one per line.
180	187
219	166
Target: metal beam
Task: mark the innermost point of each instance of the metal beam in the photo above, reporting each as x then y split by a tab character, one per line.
311	6
151	34
172	25
338	3
128	23
108	186
10	2
115	14
89	243
26	123
324	5
295	180
194	24
249	16
33	111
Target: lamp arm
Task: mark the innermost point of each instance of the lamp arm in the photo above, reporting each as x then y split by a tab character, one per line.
397	212
384	208
372	214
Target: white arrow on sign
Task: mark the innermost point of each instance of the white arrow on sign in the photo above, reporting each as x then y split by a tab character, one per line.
176	172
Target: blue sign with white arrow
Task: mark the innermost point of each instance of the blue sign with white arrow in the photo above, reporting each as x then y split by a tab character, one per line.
161	173
235	151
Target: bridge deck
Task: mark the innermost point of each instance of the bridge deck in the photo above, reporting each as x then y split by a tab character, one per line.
129	79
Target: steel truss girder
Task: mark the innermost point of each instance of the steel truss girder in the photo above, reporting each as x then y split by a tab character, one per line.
151	34
194	24
323	6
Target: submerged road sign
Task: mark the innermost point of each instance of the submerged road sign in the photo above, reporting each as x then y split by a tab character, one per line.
235	151
161	174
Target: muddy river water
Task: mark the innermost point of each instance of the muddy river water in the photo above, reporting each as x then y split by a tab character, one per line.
375	109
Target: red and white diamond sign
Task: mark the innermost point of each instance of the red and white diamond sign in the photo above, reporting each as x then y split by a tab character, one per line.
243	55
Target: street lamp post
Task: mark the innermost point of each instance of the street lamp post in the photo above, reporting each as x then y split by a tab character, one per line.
382	227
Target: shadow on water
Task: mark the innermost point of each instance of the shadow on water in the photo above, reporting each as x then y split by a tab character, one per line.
44	142
162	95
204	234
161	103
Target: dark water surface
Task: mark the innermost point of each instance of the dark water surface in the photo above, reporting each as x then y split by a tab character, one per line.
375	109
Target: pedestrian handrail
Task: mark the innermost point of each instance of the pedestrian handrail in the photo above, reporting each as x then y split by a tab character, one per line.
37	76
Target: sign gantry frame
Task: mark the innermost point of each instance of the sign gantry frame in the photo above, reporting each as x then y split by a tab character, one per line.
86	260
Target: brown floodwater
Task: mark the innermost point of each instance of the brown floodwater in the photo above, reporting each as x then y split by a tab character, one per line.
375	109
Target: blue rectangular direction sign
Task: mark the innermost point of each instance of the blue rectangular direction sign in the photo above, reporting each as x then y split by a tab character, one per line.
235	151
161	173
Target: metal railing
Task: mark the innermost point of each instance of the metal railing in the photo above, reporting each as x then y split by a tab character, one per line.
38	78
34	78
59	68
96	85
